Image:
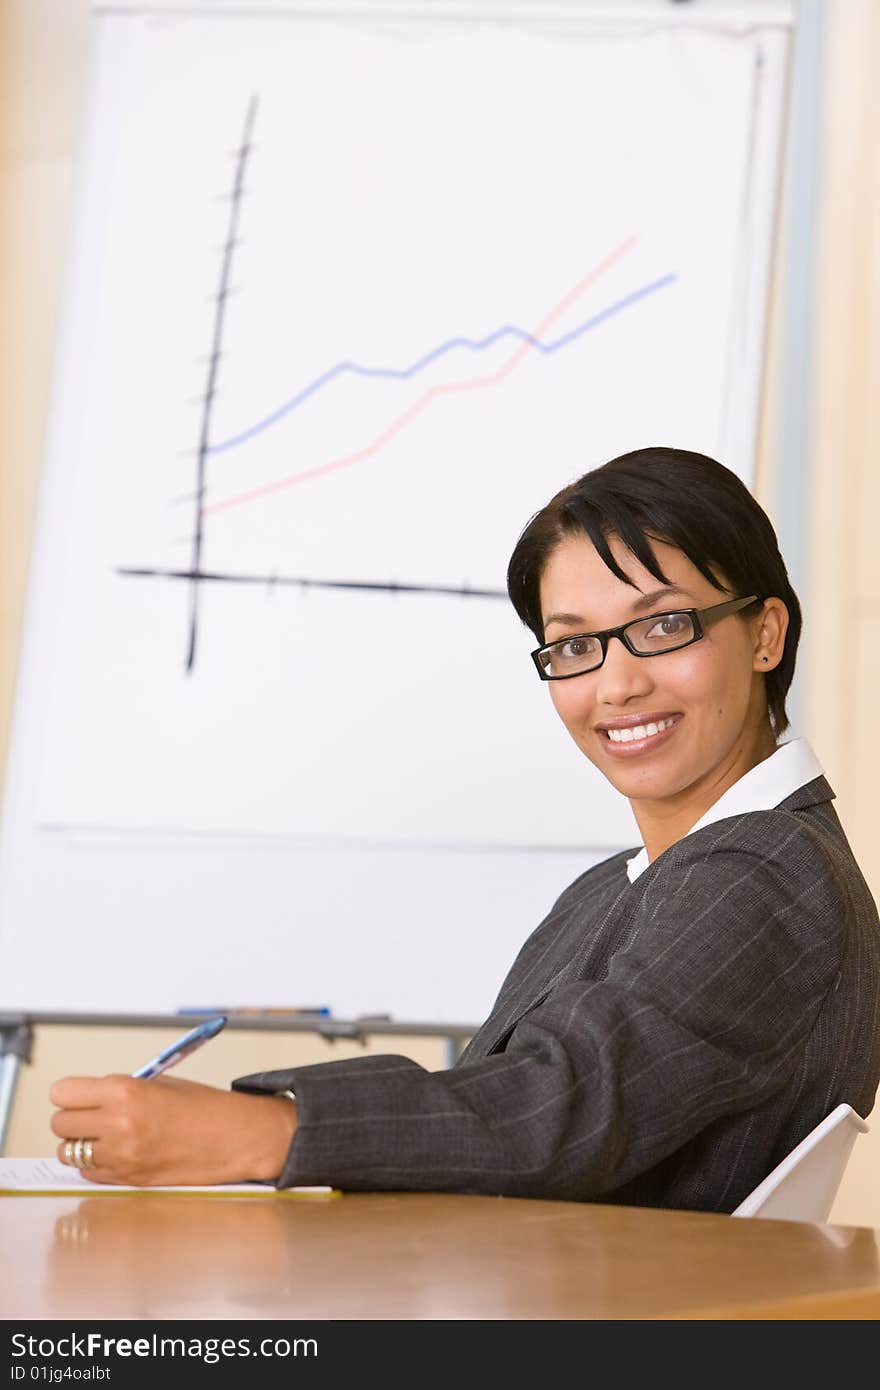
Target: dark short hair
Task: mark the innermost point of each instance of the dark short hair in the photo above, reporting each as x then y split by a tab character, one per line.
686	499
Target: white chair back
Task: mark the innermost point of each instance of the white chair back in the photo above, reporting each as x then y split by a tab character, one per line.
803	1186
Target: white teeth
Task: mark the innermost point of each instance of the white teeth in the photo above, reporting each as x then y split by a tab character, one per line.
639	731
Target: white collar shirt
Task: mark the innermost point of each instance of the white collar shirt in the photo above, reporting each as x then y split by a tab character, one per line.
792	766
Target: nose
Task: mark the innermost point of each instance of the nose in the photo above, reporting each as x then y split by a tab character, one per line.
622	676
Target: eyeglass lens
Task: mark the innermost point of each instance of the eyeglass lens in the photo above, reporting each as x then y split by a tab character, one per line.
574	655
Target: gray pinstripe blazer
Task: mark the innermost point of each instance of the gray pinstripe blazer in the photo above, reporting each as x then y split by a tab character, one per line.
660	1043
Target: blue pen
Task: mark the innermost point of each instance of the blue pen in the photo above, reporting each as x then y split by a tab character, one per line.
249	1012
176	1052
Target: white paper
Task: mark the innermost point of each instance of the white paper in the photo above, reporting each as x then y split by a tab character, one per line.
50	1175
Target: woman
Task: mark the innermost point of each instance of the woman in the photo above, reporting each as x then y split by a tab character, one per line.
687	1011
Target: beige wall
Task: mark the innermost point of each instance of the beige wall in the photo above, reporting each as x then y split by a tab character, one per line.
842	654
42	78
42	75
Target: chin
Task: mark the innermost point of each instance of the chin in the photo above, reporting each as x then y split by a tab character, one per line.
645	784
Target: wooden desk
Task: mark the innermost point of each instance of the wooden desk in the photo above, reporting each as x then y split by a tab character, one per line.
413	1255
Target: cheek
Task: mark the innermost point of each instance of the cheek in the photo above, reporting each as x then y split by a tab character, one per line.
717	685
692	675
572	704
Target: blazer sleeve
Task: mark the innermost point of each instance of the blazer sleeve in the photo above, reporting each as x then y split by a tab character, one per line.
703	1011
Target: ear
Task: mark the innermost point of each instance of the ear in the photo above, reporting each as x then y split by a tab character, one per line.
769	630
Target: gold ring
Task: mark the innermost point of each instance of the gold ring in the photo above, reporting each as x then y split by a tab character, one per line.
80	1152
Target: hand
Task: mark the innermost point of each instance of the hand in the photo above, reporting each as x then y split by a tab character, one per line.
166	1132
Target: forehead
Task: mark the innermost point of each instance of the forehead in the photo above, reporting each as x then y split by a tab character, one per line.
577	582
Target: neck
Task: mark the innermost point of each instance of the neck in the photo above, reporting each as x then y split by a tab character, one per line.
665	821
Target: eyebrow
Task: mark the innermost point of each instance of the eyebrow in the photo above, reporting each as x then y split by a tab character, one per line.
638	606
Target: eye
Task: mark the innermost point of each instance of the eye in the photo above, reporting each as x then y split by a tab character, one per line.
576	648
672	625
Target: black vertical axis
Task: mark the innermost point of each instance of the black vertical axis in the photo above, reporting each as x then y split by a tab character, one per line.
213	365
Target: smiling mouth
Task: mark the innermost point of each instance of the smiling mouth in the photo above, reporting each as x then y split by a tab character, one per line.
638	731
639	738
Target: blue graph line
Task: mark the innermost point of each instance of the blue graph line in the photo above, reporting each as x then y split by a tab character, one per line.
509	330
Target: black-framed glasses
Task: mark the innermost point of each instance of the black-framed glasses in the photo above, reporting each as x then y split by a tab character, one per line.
651	636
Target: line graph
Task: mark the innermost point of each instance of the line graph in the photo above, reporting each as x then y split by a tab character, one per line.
534	341
531	341
508	330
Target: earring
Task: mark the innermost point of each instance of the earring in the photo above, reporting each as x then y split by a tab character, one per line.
765	658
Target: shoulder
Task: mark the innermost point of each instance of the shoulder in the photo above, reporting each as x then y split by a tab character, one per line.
778	841
746	911
751	873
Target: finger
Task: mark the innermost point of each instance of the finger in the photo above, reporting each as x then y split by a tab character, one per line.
96	1174
70	1124
62	1153
85	1092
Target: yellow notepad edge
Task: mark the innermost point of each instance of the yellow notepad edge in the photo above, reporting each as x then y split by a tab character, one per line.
111	1190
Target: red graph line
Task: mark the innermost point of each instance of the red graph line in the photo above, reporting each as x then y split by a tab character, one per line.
433	393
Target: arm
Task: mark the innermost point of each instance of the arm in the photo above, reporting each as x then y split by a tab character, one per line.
703	1013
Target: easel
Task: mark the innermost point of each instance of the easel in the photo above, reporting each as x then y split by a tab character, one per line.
16	1036
16	1041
